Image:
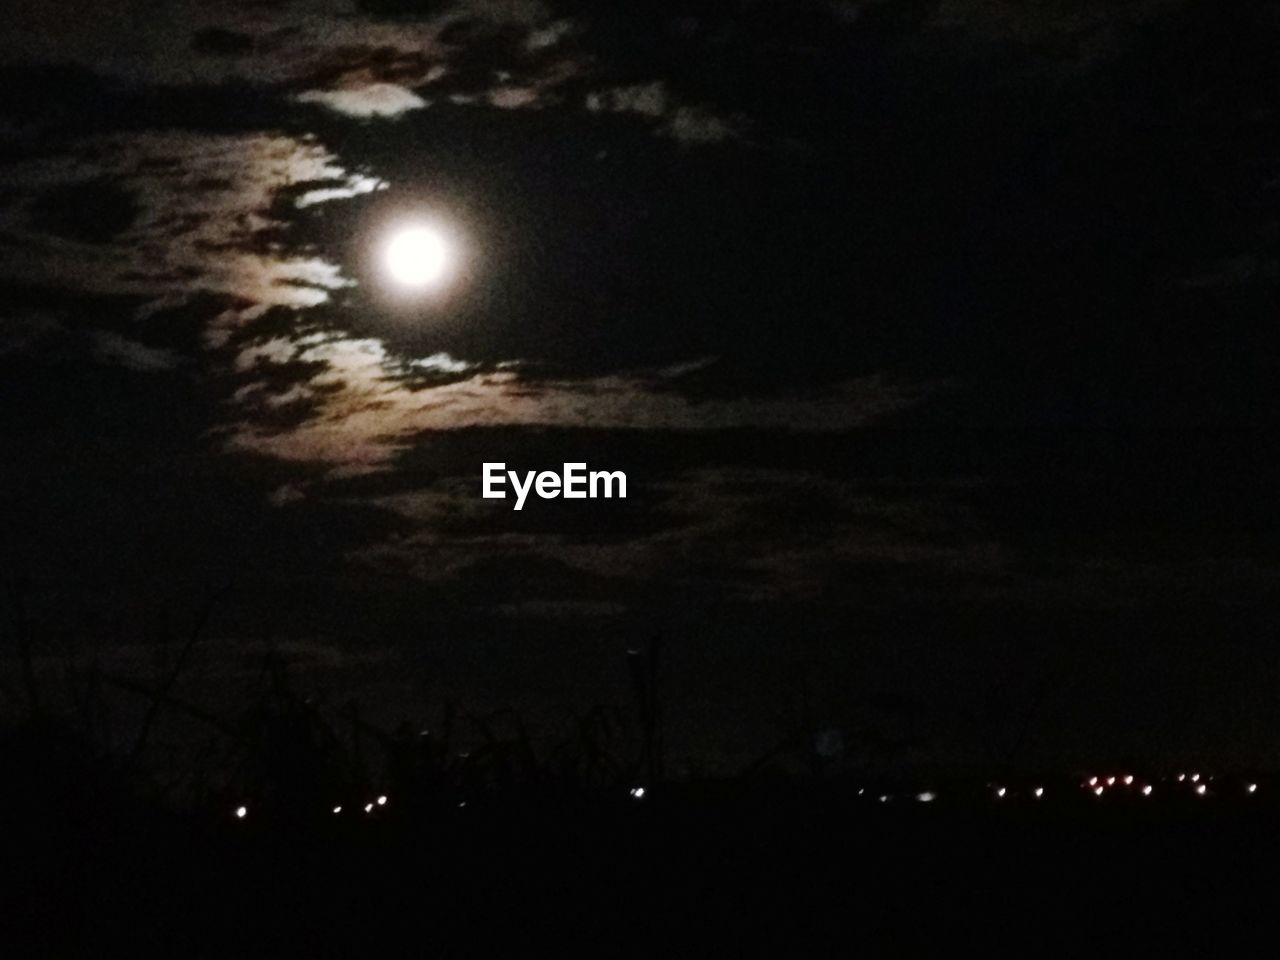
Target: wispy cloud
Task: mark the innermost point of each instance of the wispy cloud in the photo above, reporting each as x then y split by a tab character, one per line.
203	206
113	348
702	532
687	123
363	410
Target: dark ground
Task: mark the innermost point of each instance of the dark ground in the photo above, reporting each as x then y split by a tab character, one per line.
726	868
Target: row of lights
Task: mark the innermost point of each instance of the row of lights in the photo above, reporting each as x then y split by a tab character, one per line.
242	811
1201	789
1097	785
1002	792
636	793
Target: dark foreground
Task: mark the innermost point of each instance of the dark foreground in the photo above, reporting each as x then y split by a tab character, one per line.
724	869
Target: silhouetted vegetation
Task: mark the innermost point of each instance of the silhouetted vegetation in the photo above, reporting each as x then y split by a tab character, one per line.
301	831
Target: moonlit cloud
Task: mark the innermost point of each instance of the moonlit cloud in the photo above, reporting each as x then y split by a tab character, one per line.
203	203
375	100
341	56
648	99
513	97
354	187
550	35
440	363
683	122
139	44
695	125
363	413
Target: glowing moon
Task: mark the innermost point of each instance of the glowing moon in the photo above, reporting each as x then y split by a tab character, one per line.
417	257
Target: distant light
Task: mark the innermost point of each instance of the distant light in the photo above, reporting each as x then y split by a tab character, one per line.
928	796
382	800
1111	781
1093	781
1039	792
368	808
338	808
1181	777
1146	791
241	812
1252	788
417	256
1097	791
1195	778
884	798
1202	789
638	792
1000	791
1128	780
861	791
462	804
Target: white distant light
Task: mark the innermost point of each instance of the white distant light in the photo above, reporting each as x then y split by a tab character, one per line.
337	809
1093	781
1000	791
1146	791
638	792
417	256
884	798
1111	781
382	800
928	796
1038	792
368	808
1128	780
1252	788
1182	777
241	812
1097	791
1202	789
1195	778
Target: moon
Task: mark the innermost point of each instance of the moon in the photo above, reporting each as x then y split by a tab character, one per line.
417	257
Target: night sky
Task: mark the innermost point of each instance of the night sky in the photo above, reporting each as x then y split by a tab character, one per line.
936	339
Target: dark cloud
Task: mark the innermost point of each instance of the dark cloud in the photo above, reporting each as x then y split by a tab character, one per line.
114	348
23	330
218	42
92	212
